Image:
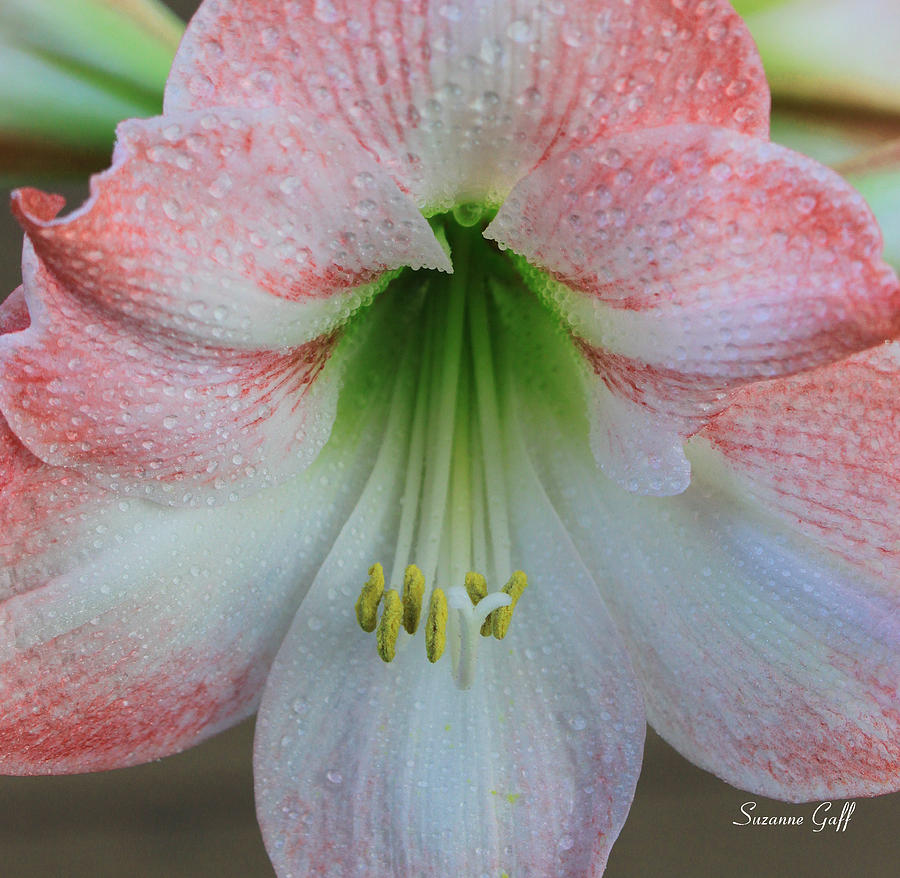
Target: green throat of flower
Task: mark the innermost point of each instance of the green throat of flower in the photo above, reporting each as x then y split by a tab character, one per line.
449	356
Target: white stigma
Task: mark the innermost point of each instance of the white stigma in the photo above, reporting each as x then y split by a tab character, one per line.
464	630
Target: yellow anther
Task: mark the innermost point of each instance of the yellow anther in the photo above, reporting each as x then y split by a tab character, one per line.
501	617
389	626
369	597
436	626
476	587
413	592
456	617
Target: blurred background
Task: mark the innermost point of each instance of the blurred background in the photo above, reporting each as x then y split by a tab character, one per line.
192	814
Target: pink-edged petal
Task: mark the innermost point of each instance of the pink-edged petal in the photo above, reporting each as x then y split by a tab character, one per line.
31	493
368	769
688	261
822	451
764	656
144	414
458	100
232	227
149	628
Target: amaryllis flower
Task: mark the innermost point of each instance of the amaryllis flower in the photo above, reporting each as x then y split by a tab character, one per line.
453	296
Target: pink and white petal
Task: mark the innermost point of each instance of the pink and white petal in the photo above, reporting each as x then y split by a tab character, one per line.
458	101
821	450
34	494
154	627
14	312
369	769
42	516
688	261
237	228
182	424
764	657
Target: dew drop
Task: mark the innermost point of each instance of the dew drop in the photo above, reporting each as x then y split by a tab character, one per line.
520	31
326	12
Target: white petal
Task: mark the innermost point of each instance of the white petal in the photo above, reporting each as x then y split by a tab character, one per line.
156	627
369	769
763	657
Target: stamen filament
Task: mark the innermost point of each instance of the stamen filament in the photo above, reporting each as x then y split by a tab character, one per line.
409	503
479	517
460	487
440	428
489	418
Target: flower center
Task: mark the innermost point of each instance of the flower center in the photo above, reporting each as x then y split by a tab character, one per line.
451	349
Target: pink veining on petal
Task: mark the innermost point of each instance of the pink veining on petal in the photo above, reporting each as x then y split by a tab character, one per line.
458	101
42	516
41	512
87	389
220	226
99	712
829	754
688	261
86	700
822	450
763	656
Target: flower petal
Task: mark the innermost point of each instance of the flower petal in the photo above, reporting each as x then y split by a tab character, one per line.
688	261
32	492
821	451
161	386
129	631
764	656
369	769
459	100
181	424
234	228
